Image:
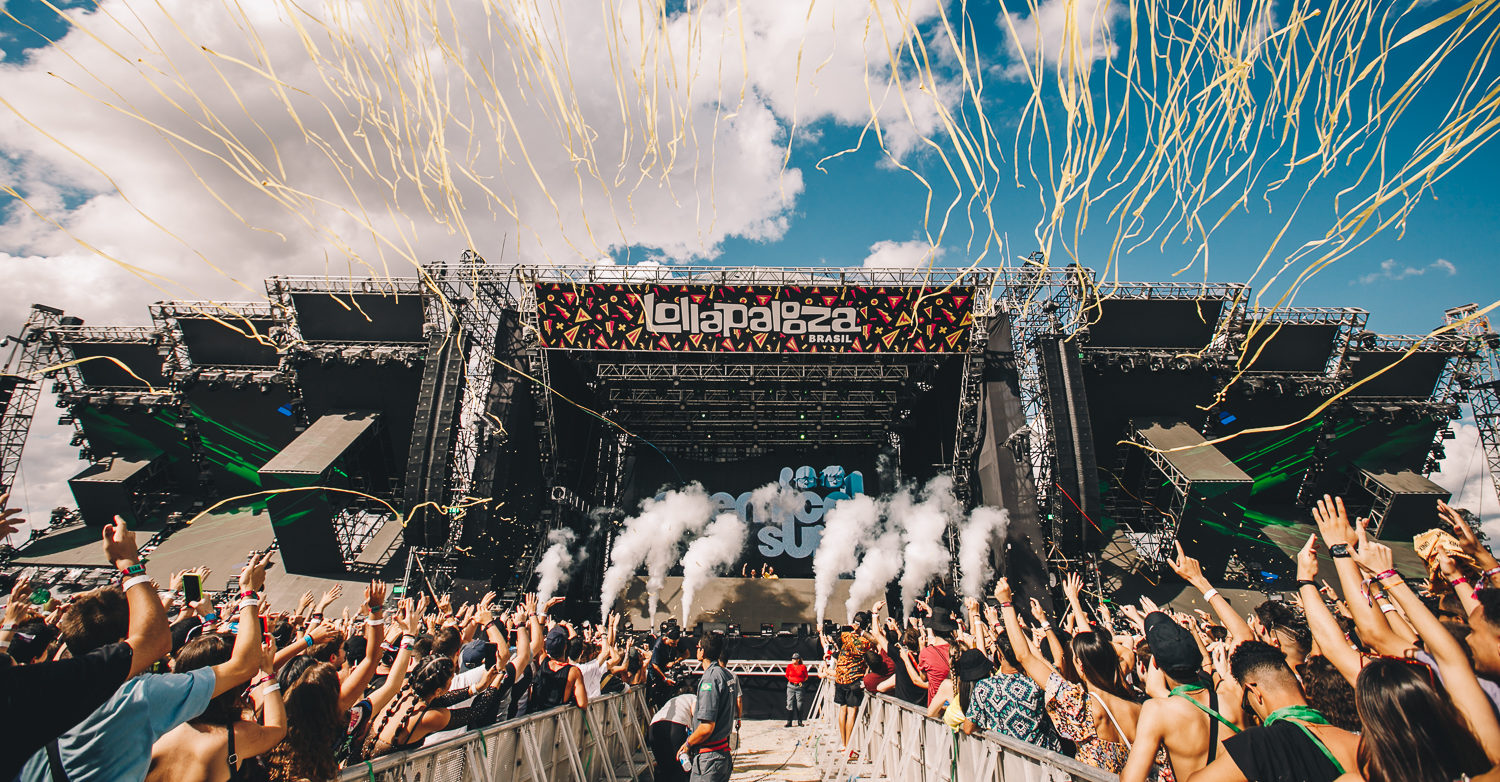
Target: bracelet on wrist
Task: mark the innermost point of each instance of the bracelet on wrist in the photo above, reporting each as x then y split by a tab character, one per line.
309	639
1458	580
1006	604
135	569
274	686
375	622
248	602
135	580
249	593
1210	595
1382	576
1492	572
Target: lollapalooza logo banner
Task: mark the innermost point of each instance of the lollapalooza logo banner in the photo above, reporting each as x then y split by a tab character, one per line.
755	318
787	536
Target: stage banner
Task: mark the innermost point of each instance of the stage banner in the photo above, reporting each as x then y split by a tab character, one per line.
784	533
754	318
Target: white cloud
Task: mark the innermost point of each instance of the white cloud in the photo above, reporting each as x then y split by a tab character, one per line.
1061	33
1465	472
1390	269
889	254
324	170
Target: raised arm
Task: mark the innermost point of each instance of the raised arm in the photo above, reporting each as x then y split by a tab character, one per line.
253	738
147	633
1333	525
1453	663
245	660
354	686
1078	619
1192	572
1470	544
411	623
1030	661
1325	628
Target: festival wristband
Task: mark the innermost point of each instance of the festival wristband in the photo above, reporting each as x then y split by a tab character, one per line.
133	580
1388	608
1387	574
249	593
1210	594
308	639
1457	581
249	601
1302	582
1491	573
375	622
274	686
1006	604
134	570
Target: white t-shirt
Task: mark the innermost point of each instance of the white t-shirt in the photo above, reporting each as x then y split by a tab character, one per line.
593	676
678	710
468	679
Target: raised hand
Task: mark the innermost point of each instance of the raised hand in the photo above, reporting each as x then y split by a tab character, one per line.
1448	567
306	601
1037	613
375	595
253	577
1073	585
268	655
19	607
1372	556
1002	590
333	593
991	615
119	545
1307	559
445	604
1187	567
8	521
1333	521
1467	540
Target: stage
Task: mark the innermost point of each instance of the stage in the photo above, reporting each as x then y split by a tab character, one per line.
784	603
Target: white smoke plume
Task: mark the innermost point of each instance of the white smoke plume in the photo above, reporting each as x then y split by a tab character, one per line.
653	538
847	525
774	502
985	526
556	566
716	549
880	565
923	525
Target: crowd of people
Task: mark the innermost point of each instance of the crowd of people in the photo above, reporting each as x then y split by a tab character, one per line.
1395	682
131	682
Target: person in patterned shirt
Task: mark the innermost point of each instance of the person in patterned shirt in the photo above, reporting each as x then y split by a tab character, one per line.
848	670
1011	703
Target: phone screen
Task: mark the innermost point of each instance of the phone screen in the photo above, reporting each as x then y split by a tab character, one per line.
192	587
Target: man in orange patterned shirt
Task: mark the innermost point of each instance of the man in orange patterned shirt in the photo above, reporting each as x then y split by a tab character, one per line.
848	669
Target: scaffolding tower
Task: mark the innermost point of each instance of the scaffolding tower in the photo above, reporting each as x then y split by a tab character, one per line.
29	355
1476	377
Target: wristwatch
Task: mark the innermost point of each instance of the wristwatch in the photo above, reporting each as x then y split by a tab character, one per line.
1339	550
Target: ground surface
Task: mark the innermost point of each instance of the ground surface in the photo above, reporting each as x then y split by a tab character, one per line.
770	752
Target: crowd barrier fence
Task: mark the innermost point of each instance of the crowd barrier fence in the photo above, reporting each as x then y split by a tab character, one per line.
898	741
606	741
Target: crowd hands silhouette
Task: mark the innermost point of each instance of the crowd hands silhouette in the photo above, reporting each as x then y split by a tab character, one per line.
136	682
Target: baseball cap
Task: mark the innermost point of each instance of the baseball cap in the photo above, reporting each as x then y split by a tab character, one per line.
1173	647
476	653
557	642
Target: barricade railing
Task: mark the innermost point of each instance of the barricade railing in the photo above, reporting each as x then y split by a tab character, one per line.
898	741
606	741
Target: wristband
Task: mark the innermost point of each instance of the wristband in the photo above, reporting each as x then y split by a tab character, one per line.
7	627
1457	581
308	639
1209	595
1044	626
249	593
1006	604
274	686
249	601
1387	574
375	622
134	570
317	617
1303	582
1491	573
133	580
1387	608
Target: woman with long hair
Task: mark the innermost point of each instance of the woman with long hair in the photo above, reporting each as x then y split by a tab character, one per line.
1097	712
314	727
219	745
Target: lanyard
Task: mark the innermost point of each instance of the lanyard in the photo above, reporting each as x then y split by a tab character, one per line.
1182	691
1300	714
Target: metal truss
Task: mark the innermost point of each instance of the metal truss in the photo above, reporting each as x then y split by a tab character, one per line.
971	390
541	386
793	276
1400	343
1349	320
479	323
761	667
751	373
28	357
1475	380
742	399
60	339
1381	499
1225	291
168	316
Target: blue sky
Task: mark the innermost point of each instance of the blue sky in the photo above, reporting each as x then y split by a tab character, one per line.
833	218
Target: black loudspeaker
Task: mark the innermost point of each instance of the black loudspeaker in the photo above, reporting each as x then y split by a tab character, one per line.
1075	471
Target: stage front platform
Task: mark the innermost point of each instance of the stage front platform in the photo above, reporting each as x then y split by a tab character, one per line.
748	602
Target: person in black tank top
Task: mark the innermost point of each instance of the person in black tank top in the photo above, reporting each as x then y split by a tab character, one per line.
904	650
556	681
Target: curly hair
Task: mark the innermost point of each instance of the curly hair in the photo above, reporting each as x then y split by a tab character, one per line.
1329	692
310	690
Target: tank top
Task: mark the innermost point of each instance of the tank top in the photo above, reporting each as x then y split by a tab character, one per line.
548	689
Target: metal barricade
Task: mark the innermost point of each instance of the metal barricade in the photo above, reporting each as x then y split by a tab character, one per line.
606	741
898	741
